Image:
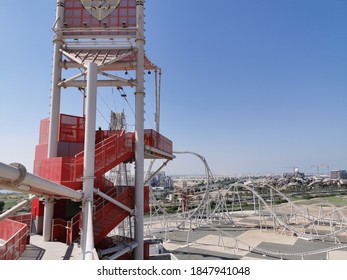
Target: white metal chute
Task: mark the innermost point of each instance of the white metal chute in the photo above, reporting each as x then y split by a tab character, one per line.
13	178
16	208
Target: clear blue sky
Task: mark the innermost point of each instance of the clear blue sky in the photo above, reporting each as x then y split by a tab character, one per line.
255	86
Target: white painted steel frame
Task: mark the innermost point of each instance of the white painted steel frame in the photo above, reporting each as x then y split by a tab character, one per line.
89	156
56	78
92	84
139	132
116	82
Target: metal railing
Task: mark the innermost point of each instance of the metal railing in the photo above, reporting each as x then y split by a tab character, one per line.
14	234
59	230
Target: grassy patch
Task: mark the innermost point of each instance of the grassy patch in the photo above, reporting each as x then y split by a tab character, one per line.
337	200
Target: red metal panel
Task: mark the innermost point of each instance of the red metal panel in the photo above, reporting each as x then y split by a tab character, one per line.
49	169
78	17
69	149
71	128
147	200
44	131
55	169
8	228
158	141
110	215
103	184
146	250
41	151
37	167
15	234
24	219
37	208
60	209
67	169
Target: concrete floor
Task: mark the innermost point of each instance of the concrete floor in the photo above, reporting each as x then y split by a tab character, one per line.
41	250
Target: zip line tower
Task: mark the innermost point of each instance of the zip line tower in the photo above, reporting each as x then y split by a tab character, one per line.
103	39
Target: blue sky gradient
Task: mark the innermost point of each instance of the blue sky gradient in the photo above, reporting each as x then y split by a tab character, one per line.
255	86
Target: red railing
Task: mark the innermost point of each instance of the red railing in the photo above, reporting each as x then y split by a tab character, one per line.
59	227
103	184
73	229
112	148
24	219
108	153
71	129
158	141
100	202
73	226
108	215
13	237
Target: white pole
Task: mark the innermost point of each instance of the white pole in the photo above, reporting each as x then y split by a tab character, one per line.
56	78
139	131
89	155
157	99
47	218
55	108
88	253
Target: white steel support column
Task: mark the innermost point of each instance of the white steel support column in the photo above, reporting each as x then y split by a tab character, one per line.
157	99
139	131
47	218
56	78
89	155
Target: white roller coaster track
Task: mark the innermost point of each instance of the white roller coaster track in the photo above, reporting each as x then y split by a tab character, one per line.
197	217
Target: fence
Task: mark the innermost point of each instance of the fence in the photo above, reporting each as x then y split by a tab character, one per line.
13	237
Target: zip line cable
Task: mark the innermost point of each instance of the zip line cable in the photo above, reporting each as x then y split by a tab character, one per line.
129	105
114	100
103	100
108	123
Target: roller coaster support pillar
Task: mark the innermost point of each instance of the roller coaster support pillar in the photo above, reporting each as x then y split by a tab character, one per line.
89	152
139	131
56	78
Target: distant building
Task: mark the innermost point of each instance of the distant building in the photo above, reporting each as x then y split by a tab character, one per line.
296	174
338	174
160	181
